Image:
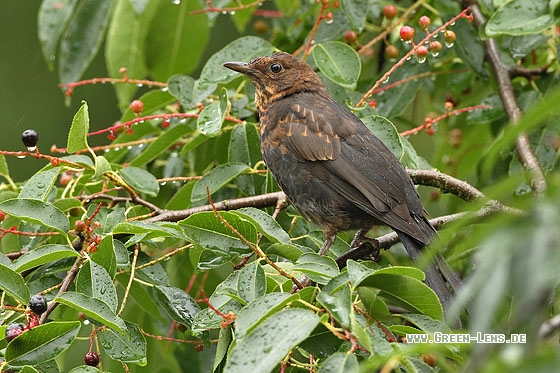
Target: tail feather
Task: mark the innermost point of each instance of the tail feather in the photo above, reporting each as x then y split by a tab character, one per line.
433	275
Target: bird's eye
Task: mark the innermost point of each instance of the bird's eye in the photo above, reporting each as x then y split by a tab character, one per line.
276	68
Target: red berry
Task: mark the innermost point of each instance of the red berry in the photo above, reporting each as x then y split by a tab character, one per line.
91	359
350	36
329	16
136	106
13	330
422	51
406	33
391	52
390	11
2	215
65	179
260	26
166	123
449	36
80	226
425	22
430	131
55	162
435	47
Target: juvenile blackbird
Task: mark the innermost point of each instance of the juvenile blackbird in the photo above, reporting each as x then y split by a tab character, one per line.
334	171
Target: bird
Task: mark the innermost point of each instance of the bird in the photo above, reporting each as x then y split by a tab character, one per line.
332	168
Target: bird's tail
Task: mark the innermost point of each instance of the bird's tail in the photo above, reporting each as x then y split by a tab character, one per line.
434	272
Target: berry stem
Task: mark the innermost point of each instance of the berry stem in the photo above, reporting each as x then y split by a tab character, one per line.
365	97
432	121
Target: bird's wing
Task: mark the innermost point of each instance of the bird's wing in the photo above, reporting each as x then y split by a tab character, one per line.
359	166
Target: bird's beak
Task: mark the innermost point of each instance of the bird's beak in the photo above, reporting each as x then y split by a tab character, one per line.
240	67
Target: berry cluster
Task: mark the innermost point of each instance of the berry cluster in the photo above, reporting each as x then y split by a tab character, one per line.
37	306
407	34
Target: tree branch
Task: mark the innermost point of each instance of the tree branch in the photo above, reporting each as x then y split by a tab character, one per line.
505	87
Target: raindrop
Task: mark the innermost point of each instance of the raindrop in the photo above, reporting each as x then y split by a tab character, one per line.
330	21
163	183
164	89
31	148
406	42
106	150
408	58
117	149
420	59
449	44
176	2
386	80
434	54
129	147
232	13
139	85
224	12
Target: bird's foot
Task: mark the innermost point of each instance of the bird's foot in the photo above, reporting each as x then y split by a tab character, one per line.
366	244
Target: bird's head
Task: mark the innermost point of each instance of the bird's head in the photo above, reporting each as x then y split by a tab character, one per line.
278	75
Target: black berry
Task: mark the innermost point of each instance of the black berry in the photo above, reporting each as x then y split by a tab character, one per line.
30	138
13	330
91	359
37	304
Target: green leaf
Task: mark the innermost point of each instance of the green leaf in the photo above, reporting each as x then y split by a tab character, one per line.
244	147
340	362
263	348
82	38
180	306
356	11
105	255
125	47
339	62
94	281
151	230
140	180
211	118
131	350
37	212
77	137
320	269
386	131
182	87
251	283
223	245
520	17
338	303
41	343
102	165
161	145
12	283
94	309
469	47
173	29
241	49
216	179
43	255
51	21
4	169
265	224
40	185
259	309
407	292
